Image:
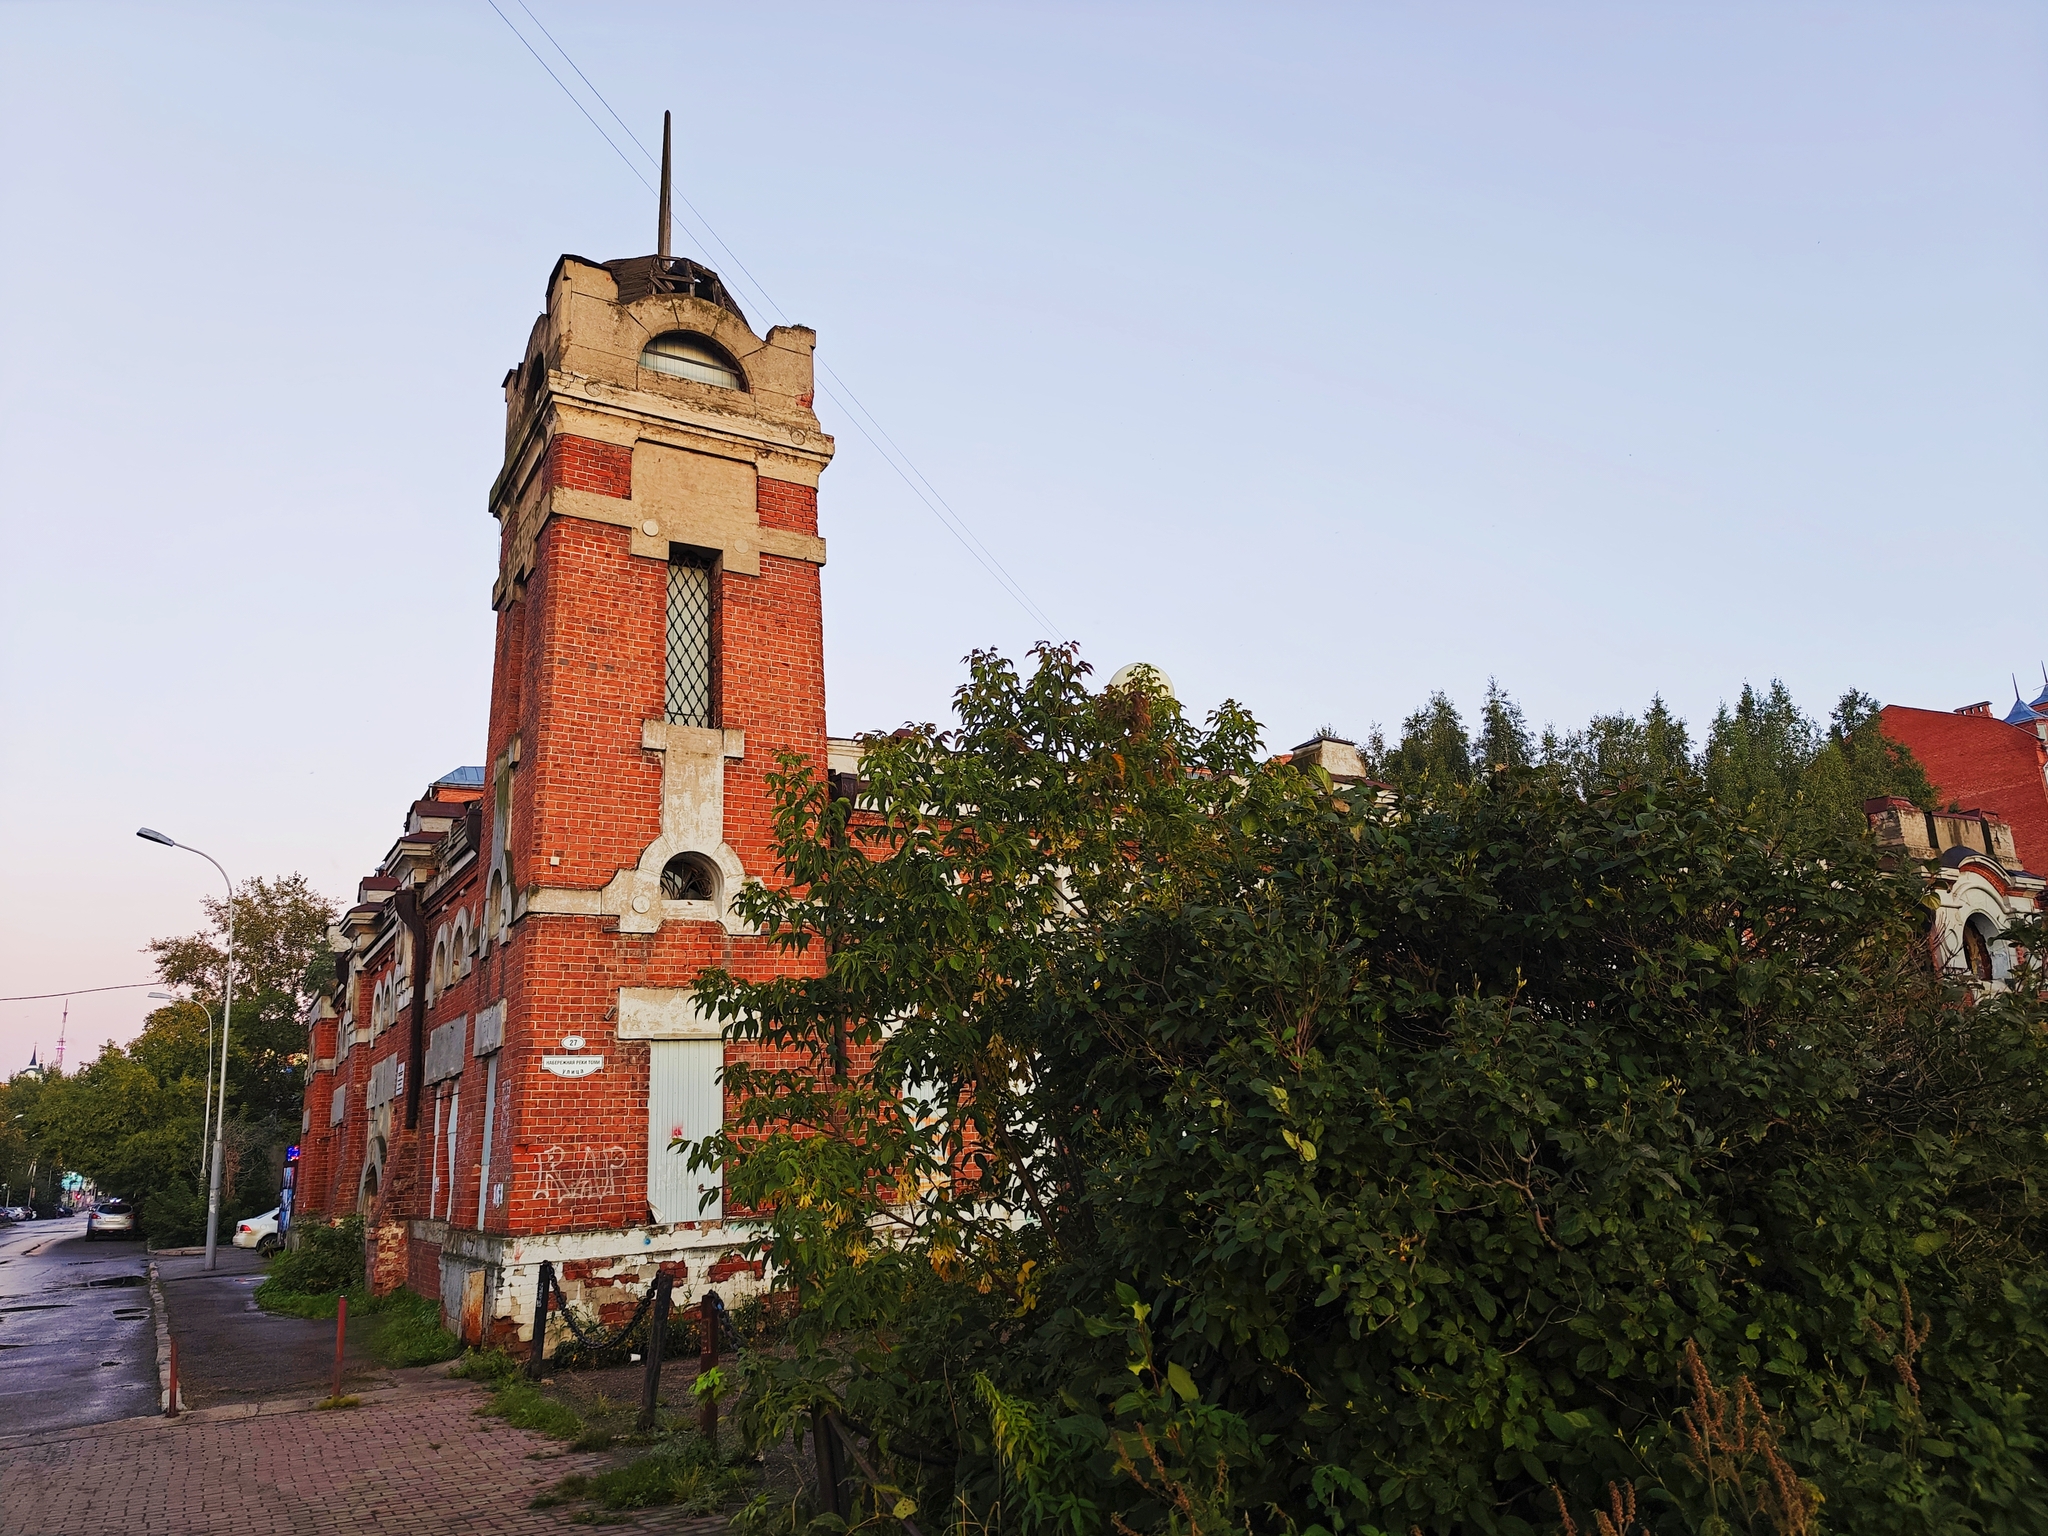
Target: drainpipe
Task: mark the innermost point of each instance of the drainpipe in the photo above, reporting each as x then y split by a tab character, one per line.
406	904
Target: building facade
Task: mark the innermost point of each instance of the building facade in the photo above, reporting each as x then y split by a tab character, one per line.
1989	848
512	1046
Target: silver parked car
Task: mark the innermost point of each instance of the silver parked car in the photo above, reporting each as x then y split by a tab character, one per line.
110	1218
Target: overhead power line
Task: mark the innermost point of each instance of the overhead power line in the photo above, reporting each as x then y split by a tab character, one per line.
891	452
44	997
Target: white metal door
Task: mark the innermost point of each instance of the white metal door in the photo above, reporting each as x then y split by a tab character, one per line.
683	1099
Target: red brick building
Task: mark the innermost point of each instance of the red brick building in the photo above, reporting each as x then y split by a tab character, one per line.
1991	847
512	1043
1979	762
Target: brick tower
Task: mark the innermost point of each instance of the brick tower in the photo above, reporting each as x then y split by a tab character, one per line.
512	1043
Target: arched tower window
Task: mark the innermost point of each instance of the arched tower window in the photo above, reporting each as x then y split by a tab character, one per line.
686	355
689	877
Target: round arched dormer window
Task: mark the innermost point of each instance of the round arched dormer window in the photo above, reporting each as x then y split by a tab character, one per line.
686	355
689	877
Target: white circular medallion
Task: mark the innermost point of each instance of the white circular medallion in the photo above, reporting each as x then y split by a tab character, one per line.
639	903
650	527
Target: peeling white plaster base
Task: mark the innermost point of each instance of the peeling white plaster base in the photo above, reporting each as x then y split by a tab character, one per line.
622	1263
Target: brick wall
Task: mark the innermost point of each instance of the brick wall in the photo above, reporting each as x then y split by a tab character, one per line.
779	504
596	649
1981	764
584	464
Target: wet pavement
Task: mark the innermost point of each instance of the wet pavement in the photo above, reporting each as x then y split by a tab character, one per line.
77	1340
229	1351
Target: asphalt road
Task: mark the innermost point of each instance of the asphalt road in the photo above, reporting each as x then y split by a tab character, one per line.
77	1342
230	1352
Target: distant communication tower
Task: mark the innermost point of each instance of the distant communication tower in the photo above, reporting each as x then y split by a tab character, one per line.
63	1020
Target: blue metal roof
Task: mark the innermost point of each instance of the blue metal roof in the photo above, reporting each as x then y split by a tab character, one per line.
461	778
2021	713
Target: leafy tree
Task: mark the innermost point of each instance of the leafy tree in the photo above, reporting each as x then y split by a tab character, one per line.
1434	752
1169	1142
281	962
131	1119
1655	748
1504	740
1782	771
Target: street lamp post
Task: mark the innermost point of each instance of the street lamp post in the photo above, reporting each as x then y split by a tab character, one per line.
227	1001
206	1098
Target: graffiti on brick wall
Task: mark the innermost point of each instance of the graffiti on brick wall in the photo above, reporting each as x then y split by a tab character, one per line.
574	1175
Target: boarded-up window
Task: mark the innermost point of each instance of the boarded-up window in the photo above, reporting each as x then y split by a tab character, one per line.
444	1050
335	1113
683	1099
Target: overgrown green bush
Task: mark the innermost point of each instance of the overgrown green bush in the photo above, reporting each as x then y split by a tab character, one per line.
1179	1142
173	1216
323	1259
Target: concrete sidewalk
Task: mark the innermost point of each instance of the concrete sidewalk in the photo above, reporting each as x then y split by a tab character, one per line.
230	1351
415	1458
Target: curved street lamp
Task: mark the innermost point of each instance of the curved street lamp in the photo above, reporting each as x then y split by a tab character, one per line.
148	834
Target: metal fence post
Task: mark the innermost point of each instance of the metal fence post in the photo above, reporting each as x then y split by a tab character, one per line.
657	1346
540	1320
825	1447
340	1334
707	1360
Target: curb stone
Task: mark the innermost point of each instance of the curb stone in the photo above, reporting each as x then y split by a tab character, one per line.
163	1343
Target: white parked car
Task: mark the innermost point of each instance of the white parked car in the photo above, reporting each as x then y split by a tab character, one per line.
259	1232
110	1218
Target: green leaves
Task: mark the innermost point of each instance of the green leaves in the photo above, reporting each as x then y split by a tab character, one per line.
1206	1125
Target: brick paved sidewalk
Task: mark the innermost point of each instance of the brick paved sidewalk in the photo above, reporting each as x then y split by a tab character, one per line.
414	1458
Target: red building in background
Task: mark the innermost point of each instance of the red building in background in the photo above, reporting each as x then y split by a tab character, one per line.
1991	840
1979	762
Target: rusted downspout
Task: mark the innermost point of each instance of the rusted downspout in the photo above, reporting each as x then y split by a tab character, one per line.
406	903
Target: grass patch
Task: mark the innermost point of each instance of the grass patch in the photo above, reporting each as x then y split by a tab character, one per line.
406	1330
492	1365
524	1406
339	1402
272	1296
398	1329
688	1473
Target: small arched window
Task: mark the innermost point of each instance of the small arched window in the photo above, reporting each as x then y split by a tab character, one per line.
689	877
686	355
1982	949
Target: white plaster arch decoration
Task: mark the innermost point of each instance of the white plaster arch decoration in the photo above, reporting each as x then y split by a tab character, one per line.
371	1181
692	821
1972	896
437	975
459	947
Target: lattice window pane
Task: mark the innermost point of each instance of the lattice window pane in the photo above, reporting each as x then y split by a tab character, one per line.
689	642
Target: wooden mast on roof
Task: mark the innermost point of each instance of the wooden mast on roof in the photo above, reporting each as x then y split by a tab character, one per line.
661	238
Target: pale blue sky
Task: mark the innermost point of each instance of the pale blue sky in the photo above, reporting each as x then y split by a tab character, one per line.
1320	356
